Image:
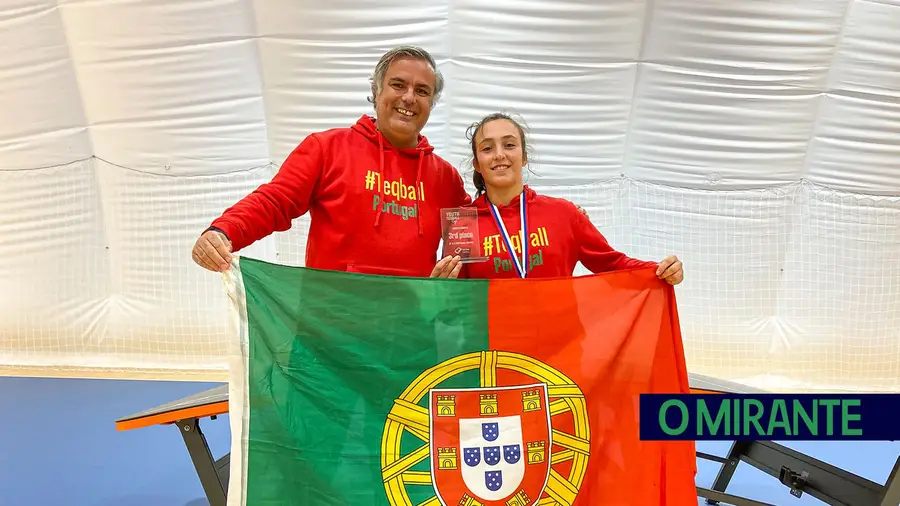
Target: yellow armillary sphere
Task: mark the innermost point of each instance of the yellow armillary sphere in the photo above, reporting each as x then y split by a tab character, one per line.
491	445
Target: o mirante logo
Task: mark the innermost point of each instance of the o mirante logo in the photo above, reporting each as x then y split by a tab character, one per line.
727	417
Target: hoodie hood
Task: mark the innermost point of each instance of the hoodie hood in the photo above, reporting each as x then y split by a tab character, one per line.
366	127
483	206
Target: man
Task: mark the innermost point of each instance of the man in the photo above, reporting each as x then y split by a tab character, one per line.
374	190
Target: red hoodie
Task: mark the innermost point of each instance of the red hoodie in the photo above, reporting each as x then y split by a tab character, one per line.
375	208
560	237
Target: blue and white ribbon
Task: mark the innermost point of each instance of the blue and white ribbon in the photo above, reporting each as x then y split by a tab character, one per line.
521	266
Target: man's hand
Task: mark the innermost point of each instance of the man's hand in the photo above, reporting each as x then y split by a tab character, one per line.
212	251
447	267
582	211
670	270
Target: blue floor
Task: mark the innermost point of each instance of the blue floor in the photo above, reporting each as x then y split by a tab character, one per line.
58	445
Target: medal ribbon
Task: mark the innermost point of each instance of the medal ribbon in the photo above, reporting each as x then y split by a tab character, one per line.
521	267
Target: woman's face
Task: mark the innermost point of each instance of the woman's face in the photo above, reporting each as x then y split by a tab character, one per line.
499	154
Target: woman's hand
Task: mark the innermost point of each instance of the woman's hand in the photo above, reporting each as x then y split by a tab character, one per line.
447	267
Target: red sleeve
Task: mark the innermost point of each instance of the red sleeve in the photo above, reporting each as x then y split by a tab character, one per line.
595	253
274	205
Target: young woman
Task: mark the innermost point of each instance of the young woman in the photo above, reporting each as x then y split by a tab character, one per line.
558	234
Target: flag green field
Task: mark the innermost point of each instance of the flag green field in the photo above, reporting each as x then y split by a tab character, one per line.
352	389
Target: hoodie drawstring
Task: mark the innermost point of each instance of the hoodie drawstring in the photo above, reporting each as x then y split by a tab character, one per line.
380	178
417	188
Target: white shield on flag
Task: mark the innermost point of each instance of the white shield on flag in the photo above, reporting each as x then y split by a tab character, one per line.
492	455
490	446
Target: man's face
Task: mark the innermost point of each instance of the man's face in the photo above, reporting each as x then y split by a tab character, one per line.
404	103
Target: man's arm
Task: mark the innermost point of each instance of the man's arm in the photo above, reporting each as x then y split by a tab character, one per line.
271	207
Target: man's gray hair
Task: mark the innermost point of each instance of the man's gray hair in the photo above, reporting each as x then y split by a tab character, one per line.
400	52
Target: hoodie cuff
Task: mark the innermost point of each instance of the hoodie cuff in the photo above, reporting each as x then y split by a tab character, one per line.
219	230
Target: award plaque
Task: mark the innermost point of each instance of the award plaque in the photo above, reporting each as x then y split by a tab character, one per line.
459	226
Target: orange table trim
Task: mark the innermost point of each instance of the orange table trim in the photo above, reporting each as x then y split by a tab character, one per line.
218	408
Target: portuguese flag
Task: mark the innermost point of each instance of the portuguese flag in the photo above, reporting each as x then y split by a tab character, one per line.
352	389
